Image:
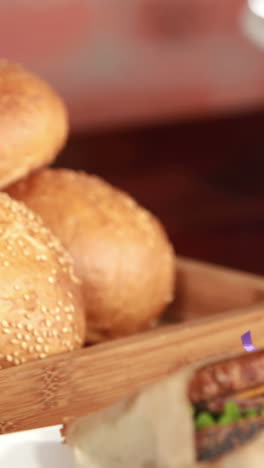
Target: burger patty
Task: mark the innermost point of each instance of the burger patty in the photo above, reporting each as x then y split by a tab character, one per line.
217	440
227	377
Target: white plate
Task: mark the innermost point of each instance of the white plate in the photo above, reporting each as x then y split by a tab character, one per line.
40	448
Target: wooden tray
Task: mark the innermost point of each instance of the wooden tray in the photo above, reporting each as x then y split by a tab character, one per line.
204	290
214	306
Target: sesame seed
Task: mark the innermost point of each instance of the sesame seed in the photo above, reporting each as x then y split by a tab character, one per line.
51	279
65	330
27	337
43	308
13	341
70	318
40	340
29	327
4	323
41	258
6	331
58	318
17	287
76	280
38	347
42	355
17	362
26	297
16	353
9	358
19	325
24	345
19	336
6	263
48	323
46	348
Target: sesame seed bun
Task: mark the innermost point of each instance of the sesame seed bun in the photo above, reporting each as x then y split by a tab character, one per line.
121	251
33	123
41	301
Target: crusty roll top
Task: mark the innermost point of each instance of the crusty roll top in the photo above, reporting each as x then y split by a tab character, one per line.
33	123
121	251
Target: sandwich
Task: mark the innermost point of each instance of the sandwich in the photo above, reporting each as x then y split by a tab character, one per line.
228	404
206	416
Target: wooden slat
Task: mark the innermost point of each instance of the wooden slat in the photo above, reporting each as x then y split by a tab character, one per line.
48	391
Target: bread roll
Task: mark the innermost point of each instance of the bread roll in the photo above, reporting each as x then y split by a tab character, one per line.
41	302
33	123
121	251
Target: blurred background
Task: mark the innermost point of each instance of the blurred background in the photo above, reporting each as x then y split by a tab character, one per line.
166	101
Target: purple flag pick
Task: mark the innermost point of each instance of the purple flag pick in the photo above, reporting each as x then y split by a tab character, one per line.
247	342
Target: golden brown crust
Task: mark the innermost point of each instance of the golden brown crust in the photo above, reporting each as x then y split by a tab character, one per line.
121	251
41	302
33	123
228	376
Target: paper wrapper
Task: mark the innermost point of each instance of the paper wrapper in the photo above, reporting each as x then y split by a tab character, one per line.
152	429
